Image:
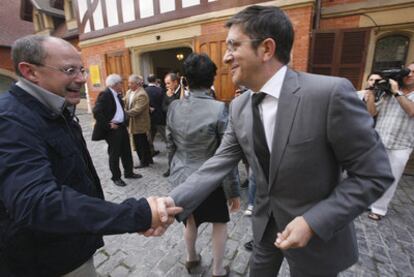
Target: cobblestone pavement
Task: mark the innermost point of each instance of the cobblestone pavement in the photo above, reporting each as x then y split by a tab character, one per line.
386	247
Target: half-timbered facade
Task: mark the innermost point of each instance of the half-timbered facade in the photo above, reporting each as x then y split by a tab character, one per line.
153	36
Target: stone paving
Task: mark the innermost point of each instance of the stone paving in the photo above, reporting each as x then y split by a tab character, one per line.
386	247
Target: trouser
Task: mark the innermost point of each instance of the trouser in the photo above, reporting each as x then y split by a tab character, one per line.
85	270
252	188
142	147
158	129
155	128
398	160
119	147
267	258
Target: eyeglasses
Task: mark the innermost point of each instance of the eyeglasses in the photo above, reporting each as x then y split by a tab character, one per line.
71	71
232	45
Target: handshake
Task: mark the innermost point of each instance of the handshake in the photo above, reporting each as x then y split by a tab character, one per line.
163	211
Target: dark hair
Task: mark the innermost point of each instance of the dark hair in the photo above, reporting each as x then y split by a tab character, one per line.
173	76
262	22
199	70
28	49
151	78
379	73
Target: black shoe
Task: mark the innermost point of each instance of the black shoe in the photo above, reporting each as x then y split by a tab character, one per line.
166	173
141	166
245	184
133	176
151	161
155	153
249	245
119	183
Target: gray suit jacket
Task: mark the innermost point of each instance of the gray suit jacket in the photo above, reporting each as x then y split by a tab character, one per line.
321	128
195	126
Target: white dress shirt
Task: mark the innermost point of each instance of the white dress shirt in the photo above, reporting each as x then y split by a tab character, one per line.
268	106
119	114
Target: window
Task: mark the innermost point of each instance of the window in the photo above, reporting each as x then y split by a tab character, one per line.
39	22
390	52
71	13
340	53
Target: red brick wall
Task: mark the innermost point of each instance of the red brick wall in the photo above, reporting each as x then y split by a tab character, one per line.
5	59
95	55
343	22
302	23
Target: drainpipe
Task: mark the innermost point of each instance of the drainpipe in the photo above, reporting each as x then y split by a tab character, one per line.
317	16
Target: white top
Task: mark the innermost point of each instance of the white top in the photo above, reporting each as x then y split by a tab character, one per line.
119	114
268	106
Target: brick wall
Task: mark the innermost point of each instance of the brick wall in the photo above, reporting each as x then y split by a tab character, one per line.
95	55
344	22
302	23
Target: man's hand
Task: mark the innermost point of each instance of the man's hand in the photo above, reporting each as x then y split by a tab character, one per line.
394	86
369	95
234	204
113	126
160	224
165	206
170	92
296	234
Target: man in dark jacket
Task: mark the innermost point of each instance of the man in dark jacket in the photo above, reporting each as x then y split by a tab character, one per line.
52	211
156	97
111	125
172	84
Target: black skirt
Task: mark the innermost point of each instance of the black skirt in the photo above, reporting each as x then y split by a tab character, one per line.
213	209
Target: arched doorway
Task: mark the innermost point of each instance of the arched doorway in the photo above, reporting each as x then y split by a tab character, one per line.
161	62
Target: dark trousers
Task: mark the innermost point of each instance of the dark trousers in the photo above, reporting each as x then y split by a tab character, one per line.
119	147
142	147
154	130
267	258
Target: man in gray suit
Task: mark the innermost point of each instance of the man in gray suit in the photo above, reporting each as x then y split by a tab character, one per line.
297	138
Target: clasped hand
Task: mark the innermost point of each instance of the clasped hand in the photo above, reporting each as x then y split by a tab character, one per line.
161	220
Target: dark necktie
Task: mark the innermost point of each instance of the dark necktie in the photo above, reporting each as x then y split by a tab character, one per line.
259	137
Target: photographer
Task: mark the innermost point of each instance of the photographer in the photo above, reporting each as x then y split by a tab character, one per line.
395	126
369	92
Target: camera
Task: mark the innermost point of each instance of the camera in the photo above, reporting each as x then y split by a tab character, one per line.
383	87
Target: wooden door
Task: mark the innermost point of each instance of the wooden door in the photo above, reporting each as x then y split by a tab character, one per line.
340	53
214	45
119	63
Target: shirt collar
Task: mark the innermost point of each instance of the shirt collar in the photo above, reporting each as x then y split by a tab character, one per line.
53	102
200	93
273	86
177	89
114	93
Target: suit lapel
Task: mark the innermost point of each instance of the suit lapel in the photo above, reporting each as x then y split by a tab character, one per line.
287	106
